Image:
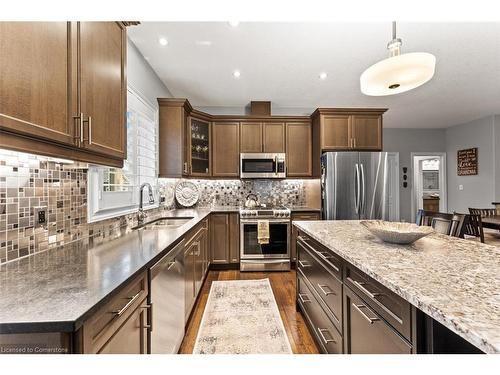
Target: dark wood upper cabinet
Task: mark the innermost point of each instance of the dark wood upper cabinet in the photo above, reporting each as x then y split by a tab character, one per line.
251	136
173	140
226	149
63	89
199	147
367	132
346	129
103	86
336	132
274	137
299	149
38	68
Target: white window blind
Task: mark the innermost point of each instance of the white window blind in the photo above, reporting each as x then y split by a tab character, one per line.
115	191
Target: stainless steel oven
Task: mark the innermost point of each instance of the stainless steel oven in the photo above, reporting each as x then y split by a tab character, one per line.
274	256
262	165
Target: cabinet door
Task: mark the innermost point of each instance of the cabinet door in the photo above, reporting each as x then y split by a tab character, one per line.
274	137
103	87
251	137
367	132
219	238
335	132
366	332
234	238
198	147
38	85
299	149
131	337
226	149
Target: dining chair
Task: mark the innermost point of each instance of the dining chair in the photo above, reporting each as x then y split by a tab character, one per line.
452	225
473	226
425	217
483	212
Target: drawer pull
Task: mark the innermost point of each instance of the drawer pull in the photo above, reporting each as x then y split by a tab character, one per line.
370	320
170	265
321	287
322	335
129	303
363	289
304	264
304	300
327	257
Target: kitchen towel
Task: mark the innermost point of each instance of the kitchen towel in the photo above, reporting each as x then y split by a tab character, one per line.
263	232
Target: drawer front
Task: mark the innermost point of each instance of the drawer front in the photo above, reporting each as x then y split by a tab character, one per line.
305	216
327	336
331	261
326	285
367	332
394	309
103	324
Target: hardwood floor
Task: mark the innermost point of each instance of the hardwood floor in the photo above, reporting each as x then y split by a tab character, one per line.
283	285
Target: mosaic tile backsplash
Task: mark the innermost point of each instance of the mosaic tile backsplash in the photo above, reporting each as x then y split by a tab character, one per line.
234	192
28	182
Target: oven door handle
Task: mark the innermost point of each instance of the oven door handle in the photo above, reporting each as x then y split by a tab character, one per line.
271	221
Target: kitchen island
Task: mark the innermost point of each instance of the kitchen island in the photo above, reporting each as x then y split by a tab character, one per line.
442	279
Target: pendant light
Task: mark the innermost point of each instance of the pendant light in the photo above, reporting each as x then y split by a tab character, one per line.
399	72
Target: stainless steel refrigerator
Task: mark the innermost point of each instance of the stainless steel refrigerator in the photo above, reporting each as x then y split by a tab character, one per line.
354	185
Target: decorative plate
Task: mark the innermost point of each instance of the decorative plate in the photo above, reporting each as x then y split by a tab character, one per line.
187	193
398	233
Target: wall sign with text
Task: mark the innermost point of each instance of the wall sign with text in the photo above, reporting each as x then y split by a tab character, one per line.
467	162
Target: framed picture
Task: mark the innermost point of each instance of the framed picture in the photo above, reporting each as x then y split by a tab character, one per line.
467	162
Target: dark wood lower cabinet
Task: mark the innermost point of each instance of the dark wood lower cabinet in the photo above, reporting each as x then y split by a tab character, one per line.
366	332
344	306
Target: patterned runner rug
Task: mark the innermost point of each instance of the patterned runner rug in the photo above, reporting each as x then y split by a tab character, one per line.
241	317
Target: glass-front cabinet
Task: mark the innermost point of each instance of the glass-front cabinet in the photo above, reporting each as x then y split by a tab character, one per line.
199	147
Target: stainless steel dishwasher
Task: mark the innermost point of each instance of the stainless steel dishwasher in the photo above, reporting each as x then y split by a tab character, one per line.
166	280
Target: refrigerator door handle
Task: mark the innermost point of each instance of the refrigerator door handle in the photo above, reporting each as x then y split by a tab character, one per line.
356	188
363	189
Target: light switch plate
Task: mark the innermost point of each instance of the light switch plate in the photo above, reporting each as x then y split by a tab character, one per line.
460	187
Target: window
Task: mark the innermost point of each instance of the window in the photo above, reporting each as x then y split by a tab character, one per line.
115	191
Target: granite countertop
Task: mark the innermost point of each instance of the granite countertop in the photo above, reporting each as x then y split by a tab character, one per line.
455	281
56	290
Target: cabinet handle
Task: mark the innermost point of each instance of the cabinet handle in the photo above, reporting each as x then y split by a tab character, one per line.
90	130
304	264
363	289
81	126
170	265
328	257
322	335
129	303
186	167
321	287
370	320
304	300
354	142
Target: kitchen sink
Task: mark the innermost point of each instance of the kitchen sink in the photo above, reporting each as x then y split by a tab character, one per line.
165	223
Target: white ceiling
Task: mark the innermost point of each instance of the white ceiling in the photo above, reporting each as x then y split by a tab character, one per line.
281	62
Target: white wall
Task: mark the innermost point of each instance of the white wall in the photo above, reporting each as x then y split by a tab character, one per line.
478	190
496	131
142	78
406	141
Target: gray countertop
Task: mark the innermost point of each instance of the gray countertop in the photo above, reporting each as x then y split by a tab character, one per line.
455	281
58	289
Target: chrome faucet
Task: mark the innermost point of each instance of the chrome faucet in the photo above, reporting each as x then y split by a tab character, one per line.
140	214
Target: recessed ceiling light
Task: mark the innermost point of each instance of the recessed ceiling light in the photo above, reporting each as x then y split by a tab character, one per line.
322	76
163	41
236	74
234	23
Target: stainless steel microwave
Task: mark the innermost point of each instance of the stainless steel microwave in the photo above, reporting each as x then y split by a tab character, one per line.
262	165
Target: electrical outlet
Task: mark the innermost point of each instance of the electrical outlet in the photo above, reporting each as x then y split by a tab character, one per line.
40	216
460	187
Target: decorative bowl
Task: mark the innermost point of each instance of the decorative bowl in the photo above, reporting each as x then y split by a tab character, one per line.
398	233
